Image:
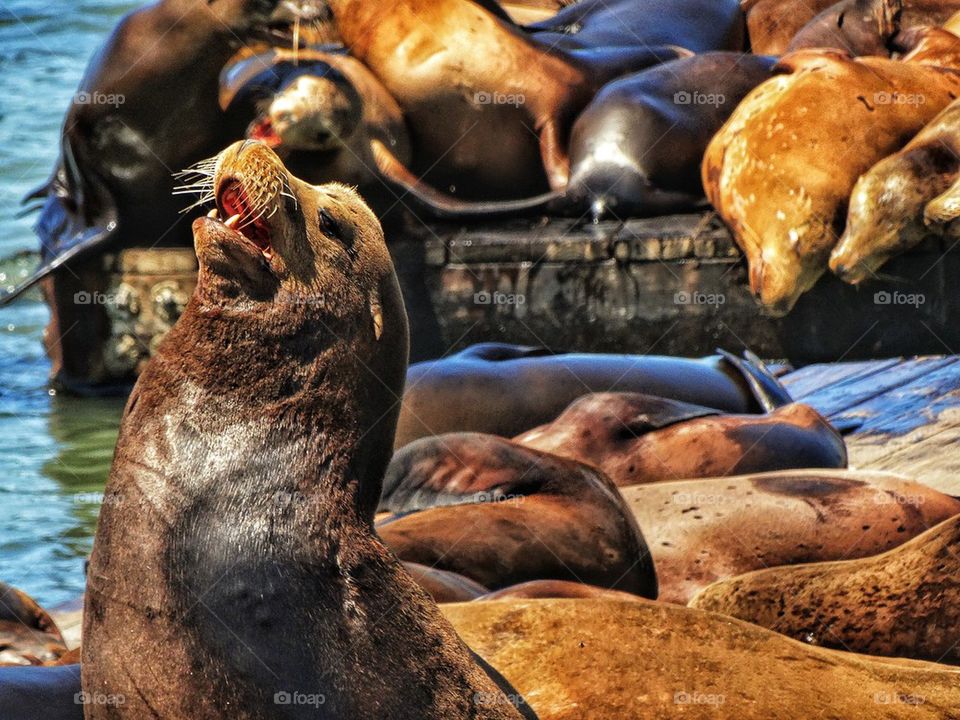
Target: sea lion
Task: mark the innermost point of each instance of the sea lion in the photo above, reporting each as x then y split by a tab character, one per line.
506	389
501	514
701	531
858	27
541	589
637	439
636	148
321	112
235	546
28	635
700	26
444	586
780	175
886	214
903	603
113	181
487	84
772	24
929	46
587	659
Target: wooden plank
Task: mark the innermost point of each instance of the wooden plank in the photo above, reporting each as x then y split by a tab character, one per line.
820	375
832	401
930	454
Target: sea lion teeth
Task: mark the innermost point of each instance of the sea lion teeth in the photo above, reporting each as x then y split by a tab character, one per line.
232	221
213	214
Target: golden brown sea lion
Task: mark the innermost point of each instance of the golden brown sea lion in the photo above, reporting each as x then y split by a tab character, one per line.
772	24
929	46
590	659
886	214
502	514
235	547
507	389
638	438
903	603
700	531
782	168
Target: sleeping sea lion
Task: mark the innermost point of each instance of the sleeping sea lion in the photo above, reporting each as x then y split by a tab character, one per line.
507	389
887	206
544	589
929	46
903	603
444	586
638	439
643	660
502	514
857	27
235	547
701	531
28	635
487	84
636	148
781	169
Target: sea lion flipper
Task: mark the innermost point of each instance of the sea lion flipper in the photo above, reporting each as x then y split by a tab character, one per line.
442	206
556	161
656	413
768	391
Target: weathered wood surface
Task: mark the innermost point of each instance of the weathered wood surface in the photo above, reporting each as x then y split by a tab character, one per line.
672	285
908	412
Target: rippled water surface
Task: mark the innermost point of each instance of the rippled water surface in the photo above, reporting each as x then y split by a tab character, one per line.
54	451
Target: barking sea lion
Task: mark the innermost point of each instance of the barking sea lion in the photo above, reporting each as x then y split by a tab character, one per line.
235	547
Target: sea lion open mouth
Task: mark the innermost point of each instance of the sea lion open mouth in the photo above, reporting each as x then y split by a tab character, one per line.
242	216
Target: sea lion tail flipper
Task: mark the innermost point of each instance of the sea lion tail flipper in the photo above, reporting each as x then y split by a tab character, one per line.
91	238
768	391
440	206
510	692
846	425
943	209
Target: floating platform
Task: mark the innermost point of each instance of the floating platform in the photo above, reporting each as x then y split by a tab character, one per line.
673	285
908	411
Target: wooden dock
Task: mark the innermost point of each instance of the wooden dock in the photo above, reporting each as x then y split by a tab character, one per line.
908	411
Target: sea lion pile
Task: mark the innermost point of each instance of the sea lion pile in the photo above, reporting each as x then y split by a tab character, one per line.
263	550
839	154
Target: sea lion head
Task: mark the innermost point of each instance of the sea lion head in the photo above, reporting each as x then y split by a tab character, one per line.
316	110
296	298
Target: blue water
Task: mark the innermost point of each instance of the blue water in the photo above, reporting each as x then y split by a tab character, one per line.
54	451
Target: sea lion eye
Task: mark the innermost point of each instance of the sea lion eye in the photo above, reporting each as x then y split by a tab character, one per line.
330	227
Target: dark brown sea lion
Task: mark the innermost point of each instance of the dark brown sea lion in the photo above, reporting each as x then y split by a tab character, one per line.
28	635
887	207
235	547
701	531
113	182
780	171
903	603
321	112
638	439
858	27
590	659
636	148
444	586
545	589
502	514
468	81
507	389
